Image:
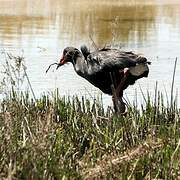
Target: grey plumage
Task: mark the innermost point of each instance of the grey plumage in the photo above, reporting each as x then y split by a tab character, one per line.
103	67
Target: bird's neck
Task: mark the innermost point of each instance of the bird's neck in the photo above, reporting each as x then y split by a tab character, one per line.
80	66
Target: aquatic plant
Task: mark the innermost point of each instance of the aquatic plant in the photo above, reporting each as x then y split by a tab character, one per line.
56	137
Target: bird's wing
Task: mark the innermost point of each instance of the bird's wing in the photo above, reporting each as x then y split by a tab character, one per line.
112	59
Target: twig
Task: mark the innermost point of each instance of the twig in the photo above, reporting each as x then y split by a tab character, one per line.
27	77
94	44
51	65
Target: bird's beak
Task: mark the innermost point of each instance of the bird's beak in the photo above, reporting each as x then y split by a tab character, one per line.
58	66
62	62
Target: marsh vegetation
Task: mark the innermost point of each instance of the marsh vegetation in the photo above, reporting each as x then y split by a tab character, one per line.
55	137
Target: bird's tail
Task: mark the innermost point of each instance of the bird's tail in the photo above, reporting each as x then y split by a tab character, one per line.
141	59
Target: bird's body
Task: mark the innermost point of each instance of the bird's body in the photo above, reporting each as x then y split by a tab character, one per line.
105	67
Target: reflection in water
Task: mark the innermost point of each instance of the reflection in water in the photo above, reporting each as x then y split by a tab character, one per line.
148	27
123	22
105	23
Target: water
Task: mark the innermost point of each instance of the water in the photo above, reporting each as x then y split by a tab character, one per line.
43	28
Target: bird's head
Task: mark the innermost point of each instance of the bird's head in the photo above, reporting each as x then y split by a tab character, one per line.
70	54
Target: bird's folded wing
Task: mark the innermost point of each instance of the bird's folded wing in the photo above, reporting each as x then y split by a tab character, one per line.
112	59
139	69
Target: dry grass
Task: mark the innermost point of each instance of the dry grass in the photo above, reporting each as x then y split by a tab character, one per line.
57	137
110	163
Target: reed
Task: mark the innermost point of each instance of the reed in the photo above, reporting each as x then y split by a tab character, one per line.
56	137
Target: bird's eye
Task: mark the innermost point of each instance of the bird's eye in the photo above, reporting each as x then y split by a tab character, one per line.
68	56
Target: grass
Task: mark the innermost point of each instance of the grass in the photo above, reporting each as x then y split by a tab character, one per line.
56	137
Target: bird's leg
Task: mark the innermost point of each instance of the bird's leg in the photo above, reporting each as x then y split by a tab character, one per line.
115	102
119	89
119	105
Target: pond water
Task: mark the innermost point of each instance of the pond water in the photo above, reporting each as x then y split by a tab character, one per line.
43	28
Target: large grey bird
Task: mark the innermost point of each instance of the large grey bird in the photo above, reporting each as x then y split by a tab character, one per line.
110	70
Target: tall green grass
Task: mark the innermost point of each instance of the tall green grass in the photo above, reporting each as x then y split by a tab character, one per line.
56	137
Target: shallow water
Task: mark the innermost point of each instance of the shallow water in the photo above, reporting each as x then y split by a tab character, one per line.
42	29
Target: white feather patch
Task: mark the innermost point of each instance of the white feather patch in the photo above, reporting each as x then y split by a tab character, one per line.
138	70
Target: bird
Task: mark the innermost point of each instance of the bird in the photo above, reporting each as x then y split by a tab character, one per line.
109	69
